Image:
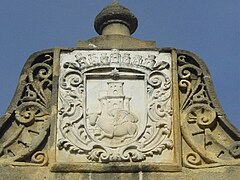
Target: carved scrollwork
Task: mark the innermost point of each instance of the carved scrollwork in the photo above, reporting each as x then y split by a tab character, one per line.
203	115
29	112
71	79
40	158
159	110
193	158
132	153
30	117
114	132
157	78
101	154
39	77
199	119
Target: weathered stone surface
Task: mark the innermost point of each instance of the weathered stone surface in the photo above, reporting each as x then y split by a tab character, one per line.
219	173
117	108
115	13
102	107
115	41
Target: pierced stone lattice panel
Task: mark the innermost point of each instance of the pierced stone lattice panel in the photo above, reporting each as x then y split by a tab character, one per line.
203	125
25	126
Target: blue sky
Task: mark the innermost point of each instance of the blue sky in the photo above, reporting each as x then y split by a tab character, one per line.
210	28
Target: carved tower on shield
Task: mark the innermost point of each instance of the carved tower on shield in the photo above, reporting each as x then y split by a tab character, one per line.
115	123
114	98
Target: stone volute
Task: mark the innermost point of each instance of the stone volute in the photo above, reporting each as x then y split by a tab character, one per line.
115	19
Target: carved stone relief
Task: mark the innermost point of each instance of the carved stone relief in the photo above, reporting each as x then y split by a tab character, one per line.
205	142
115	106
28	122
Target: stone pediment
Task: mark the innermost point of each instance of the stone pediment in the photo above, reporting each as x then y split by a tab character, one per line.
141	112
163	110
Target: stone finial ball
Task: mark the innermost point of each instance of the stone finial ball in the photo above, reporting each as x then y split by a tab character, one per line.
115	13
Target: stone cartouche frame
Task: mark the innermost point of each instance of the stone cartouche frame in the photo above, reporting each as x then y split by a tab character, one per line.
82	146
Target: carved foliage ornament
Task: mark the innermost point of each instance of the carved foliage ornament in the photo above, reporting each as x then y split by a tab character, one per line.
30	117
100	116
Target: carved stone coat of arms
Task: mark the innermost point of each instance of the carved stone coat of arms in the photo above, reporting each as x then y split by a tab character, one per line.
115	106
